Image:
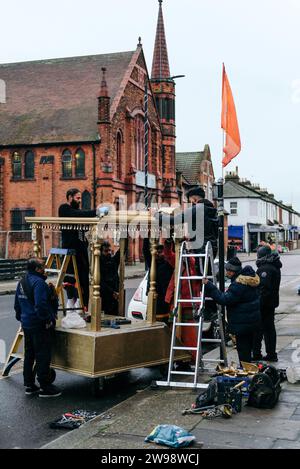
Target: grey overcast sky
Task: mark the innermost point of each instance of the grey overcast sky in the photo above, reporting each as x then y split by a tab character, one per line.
259	41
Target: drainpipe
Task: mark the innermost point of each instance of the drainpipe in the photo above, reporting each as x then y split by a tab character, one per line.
94	177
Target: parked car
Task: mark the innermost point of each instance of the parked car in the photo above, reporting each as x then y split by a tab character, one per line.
137	310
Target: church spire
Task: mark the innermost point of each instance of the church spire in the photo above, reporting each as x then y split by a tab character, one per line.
160	64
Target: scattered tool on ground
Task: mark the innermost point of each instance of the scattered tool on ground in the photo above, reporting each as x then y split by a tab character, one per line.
72	420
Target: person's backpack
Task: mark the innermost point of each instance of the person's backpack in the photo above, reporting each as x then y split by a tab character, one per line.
208	397
265	388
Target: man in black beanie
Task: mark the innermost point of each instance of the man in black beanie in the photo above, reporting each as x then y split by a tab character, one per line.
269	266
233	267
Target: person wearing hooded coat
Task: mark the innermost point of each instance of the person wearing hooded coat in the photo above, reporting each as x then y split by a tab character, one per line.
269	265
242	302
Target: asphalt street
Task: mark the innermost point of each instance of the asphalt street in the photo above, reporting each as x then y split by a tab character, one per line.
24	420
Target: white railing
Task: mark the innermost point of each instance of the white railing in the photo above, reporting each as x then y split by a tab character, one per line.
4	244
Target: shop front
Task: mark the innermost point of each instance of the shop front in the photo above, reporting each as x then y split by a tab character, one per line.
259	233
236	237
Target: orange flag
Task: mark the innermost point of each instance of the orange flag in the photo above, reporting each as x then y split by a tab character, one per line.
229	123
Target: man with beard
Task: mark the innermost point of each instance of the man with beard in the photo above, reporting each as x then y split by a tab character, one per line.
192	216
196	197
269	266
75	239
109	279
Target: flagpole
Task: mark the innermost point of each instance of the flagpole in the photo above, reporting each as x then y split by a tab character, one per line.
233	147
221	216
221	233
221	239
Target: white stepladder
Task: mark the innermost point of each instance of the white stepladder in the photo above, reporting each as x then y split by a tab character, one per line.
198	304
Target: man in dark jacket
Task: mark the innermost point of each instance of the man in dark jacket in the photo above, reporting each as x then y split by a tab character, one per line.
196	197
242	302
109	279
164	273
75	239
36	307
269	266
201	219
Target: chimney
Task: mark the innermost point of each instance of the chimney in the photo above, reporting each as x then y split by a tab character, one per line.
103	101
232	176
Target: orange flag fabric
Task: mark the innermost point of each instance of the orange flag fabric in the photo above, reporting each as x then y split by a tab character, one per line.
229	123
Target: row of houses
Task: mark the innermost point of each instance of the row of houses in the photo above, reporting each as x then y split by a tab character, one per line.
254	214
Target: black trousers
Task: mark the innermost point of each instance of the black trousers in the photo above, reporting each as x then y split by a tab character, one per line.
244	345
82	260
109	304
37	349
266	331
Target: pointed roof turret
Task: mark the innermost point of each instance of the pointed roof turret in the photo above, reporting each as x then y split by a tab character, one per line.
103	92
160	64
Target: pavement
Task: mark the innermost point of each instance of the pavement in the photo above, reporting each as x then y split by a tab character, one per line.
8	287
126	425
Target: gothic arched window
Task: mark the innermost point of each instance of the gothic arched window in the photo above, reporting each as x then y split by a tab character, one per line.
86	200
154	145
16	165
29	165
79	163
139	143
67	164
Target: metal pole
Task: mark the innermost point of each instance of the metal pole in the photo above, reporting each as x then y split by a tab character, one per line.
220	185
221	234
94	178
6	244
146	127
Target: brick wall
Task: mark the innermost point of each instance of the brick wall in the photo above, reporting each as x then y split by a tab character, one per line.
46	191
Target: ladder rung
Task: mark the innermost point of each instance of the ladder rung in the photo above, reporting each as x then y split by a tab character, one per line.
187	373
193	255
54	271
63	252
196	277
188	324
16	355
212	361
173	384
185	348
193	300
211	341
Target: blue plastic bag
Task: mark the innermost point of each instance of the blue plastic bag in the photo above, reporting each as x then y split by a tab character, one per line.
170	435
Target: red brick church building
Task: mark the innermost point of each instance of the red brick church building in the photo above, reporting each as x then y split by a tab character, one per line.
79	122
